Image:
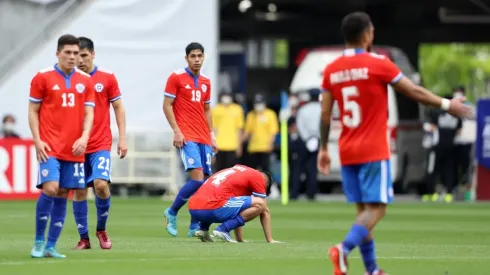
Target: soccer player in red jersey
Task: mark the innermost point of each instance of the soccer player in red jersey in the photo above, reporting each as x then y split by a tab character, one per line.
358	82
232	197
61	112
187	109
98	153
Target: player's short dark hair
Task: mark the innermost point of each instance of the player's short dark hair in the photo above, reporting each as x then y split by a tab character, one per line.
354	25
269	181
193	46
86	43
67	39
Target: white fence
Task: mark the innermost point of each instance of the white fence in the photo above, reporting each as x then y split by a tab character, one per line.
151	160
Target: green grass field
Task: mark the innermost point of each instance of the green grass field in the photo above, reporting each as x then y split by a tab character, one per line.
422	239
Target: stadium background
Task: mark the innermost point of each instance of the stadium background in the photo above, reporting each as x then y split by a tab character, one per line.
251	47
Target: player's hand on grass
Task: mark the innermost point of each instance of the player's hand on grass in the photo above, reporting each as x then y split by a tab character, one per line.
241	241
459	109
323	162
42	149
80	146
179	139
122	148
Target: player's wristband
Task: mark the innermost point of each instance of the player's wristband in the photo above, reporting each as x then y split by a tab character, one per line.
445	104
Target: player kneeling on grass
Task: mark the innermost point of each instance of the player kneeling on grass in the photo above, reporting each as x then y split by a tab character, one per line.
232	197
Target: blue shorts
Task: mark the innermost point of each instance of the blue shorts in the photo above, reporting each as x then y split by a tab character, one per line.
368	183
232	208
98	167
196	155
68	174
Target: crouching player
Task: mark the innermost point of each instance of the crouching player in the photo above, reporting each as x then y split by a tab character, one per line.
232	197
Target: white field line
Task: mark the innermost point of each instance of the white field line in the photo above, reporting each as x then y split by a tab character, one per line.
60	261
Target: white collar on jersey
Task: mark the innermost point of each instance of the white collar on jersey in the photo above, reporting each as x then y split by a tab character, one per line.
352	52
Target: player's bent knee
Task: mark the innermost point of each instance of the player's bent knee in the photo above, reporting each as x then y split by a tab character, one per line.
62	193
50	188
80	194
196	174
102	188
259	203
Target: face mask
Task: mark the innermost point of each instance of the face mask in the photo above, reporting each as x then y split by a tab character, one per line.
458	95
226	100
304	97
293	102
8	127
259	107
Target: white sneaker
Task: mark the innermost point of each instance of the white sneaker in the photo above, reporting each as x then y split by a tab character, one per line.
204	236
223	236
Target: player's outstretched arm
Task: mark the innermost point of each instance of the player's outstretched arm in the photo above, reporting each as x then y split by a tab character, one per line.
120	113
426	97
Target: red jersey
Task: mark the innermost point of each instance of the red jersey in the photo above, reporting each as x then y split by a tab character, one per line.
63	99
359	82
106	91
191	93
236	181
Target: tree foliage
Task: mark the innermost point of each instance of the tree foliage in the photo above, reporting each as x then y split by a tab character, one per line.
444	66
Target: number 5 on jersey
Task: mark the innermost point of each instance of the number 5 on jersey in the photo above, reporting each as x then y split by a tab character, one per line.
350	105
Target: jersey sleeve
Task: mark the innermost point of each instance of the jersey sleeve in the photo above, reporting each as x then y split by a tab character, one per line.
207	98
258	185
90	94
38	89
389	72
326	80
172	87
114	92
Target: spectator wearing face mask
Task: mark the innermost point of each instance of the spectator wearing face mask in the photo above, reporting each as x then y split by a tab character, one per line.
261	128
8	126
228	120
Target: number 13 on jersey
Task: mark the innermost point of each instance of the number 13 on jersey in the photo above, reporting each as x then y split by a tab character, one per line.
352	118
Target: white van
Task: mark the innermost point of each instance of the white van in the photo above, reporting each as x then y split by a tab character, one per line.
404	120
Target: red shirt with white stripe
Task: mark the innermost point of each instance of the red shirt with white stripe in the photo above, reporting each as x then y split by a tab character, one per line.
107	91
236	181
191	94
359	81
62	112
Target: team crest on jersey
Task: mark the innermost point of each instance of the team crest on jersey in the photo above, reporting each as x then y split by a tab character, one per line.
80	88
190	161
99	87
204	88
44	172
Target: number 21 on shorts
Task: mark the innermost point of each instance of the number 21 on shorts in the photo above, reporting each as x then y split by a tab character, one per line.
350	105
